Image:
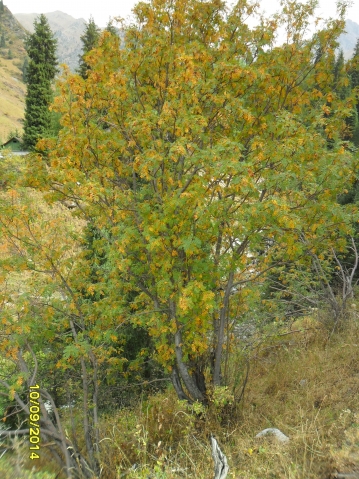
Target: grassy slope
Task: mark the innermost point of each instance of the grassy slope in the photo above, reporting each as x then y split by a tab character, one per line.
12	98
12	88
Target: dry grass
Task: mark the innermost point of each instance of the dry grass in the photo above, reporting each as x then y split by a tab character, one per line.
307	386
305	383
12	98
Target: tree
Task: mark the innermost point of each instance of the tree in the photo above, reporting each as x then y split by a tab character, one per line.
41	71
212	163
3	42
45	248
354	77
89	40
201	178
339	76
24	68
110	28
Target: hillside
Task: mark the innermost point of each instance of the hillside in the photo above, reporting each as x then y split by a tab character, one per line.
348	40
12	87
66	29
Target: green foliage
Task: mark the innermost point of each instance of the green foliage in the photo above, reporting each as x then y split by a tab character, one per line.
13	134
341	84
354	77
89	39
41	50
199	184
24	68
110	28
9	469
3	41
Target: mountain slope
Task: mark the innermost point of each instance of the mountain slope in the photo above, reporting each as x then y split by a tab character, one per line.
66	29
348	40
12	87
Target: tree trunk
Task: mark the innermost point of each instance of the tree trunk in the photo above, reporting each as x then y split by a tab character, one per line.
188	381
220	338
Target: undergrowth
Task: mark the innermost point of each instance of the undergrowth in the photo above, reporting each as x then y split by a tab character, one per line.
303	381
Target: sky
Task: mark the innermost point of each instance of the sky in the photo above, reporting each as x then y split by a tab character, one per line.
103	10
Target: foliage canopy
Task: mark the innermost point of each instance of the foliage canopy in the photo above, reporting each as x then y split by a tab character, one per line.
214	157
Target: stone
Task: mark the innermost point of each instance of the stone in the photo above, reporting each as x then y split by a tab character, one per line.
272	431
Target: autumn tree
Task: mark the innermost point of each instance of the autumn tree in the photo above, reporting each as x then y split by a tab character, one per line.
54	331
40	73
214	159
41	335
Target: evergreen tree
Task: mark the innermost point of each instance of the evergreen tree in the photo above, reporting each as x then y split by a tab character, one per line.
339	74
1	6
354	78
89	40
41	49
2	43
24	68
110	28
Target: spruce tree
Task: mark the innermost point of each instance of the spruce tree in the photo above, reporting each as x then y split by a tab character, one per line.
339	74
354	79
24	68
89	40
41	50
110	28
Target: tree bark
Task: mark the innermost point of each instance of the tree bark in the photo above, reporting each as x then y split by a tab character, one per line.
176	381
192	388
220	338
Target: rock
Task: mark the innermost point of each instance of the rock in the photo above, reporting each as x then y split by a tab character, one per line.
272	431
349	475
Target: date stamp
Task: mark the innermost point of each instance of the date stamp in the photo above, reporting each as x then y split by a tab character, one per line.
34	422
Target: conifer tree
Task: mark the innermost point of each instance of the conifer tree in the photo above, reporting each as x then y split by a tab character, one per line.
89	40
354	78
41	49
340	87
24	68
110	28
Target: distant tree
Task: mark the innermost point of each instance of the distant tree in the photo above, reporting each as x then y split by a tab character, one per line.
13	134
24	68
341	85
1	6
89	40
354	78
2	42
9	54
110	28
41	49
